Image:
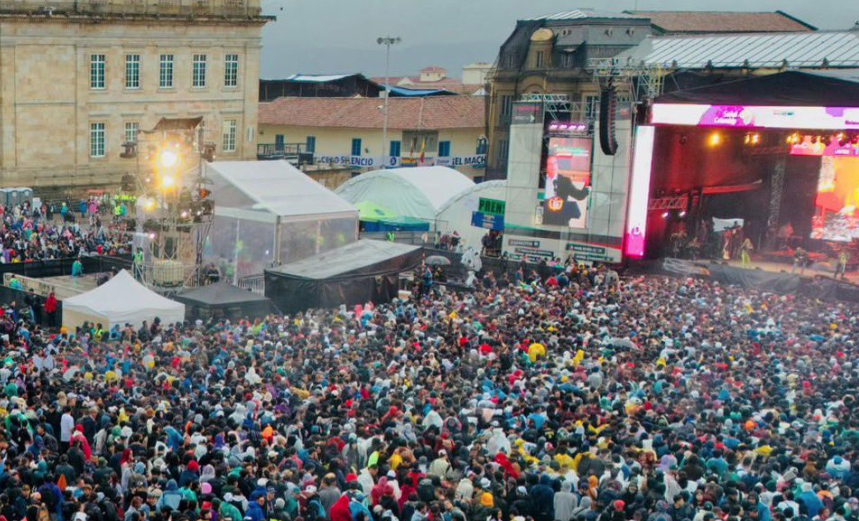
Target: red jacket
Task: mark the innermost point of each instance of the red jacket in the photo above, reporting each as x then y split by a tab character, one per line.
340	511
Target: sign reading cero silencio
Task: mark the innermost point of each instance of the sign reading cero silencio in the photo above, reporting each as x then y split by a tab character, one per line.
476	161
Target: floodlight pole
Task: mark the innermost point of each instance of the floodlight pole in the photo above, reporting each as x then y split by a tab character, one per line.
387	41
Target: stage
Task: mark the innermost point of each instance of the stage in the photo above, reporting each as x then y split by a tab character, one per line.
64	287
816	281
822	269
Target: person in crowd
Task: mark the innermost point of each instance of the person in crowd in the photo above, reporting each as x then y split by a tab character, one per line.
644	398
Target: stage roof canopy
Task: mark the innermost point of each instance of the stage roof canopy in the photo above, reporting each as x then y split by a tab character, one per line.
750	51
834	88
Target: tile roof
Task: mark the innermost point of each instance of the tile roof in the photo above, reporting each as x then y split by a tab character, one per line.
723	22
838	49
435	113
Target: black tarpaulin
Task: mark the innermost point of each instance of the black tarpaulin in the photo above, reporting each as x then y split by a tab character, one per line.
836	88
364	271
779	283
223	300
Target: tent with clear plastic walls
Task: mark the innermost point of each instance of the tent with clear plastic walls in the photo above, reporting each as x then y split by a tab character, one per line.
269	213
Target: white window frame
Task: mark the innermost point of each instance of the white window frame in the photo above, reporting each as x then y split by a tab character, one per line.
198	72
231	70
132	71
165	71
97	140
132	129
230	136
97	72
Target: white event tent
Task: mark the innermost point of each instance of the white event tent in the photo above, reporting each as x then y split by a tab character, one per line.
456	214
417	192
269	213
121	300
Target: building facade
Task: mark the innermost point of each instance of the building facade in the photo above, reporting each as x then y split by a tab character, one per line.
348	132
549	55
555	55
80	80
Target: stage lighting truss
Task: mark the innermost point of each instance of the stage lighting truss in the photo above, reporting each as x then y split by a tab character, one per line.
175	209
752	139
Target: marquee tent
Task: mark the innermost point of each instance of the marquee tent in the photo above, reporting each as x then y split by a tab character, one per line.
121	300
417	192
364	271
456	214
223	300
270	213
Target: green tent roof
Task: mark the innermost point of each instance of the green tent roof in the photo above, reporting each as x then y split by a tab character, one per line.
371	212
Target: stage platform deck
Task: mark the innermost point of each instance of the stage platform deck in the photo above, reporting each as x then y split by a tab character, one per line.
824	269
66	287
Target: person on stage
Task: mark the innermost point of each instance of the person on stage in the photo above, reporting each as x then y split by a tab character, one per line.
745	253
841	266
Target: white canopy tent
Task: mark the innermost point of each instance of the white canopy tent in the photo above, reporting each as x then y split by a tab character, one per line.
456	213
417	192
121	300
269	213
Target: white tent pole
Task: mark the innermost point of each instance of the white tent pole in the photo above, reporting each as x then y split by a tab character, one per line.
236	254
276	257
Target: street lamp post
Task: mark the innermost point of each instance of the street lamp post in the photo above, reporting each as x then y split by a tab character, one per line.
387	41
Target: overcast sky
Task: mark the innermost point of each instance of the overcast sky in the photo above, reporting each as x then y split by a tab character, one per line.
334	36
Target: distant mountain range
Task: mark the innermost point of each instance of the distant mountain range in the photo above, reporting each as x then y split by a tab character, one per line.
280	61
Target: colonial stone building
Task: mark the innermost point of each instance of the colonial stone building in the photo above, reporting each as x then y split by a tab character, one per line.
79	80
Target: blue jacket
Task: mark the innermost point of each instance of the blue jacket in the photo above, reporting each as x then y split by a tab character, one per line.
255	512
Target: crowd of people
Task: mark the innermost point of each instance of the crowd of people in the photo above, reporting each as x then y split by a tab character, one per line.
32	234
575	397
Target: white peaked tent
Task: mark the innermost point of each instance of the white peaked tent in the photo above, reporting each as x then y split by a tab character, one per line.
121	300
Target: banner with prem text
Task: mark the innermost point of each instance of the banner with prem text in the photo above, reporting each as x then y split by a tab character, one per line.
475	161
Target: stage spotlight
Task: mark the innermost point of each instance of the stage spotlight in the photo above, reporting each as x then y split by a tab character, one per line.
168	158
715	139
167	182
682	214
666	215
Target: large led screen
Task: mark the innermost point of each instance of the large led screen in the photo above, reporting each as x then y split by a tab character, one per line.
568	181
836	212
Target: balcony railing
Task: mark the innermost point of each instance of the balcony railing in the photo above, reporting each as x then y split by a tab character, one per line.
134	7
293	152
